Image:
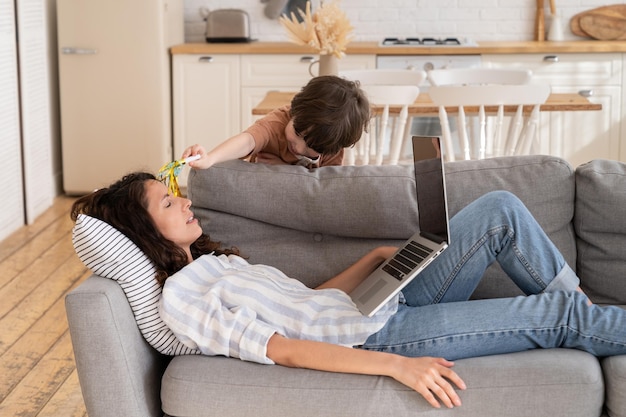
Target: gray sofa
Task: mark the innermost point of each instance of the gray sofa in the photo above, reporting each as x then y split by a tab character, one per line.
312	224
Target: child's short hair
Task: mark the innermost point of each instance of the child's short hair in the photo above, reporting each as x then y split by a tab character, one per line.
331	113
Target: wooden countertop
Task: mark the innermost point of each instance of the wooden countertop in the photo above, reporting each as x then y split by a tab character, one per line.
423	106
373	48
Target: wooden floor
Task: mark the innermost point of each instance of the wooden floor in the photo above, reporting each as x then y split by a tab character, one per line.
38	267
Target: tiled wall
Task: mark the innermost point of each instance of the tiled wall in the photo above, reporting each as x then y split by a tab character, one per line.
376	19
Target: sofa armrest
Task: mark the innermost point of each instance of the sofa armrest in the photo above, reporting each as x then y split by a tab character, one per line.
119	372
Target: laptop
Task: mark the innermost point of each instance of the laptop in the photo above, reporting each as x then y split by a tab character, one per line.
426	244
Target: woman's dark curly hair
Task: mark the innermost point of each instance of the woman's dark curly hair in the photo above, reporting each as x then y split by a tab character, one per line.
124	205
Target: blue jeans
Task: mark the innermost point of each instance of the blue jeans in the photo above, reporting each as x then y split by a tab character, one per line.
438	319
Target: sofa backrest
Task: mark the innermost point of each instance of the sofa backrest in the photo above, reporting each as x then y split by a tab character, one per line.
601	230
313	223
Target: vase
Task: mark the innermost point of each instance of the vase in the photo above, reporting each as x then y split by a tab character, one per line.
328	65
555	33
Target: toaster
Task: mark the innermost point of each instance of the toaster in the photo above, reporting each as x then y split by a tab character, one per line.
228	25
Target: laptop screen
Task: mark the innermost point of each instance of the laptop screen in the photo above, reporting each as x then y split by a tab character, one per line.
430	188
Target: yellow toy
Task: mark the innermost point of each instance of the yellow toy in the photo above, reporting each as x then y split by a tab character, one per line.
170	171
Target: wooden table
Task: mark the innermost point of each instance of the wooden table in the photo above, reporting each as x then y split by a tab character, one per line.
423	106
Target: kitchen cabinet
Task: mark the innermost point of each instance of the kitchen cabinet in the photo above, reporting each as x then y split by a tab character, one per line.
577	137
205	101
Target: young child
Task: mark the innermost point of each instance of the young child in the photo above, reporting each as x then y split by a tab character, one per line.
327	115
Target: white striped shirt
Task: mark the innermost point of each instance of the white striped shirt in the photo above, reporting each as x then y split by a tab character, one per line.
225	306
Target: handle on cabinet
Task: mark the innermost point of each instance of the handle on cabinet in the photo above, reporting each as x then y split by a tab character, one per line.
207	59
586	93
307	59
78	51
551	58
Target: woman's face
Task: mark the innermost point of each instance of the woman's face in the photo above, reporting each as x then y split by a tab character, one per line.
172	215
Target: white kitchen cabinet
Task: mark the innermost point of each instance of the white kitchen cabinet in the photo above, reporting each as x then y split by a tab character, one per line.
577	136
206	99
261	73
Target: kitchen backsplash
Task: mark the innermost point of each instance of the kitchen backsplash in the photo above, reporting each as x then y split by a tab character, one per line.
502	20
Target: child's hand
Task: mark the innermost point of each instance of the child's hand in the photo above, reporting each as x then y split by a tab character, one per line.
202	163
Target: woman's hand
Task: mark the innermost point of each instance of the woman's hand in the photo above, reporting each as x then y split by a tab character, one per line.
386	252
432	378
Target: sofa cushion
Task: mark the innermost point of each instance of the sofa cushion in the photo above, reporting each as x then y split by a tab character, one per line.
110	254
601	230
614	369
541	382
546	186
319	200
290	217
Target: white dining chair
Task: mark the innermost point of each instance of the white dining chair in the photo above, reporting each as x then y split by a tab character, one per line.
456	76
387	130
488	94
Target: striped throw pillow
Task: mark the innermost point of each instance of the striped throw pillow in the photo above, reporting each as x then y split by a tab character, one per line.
110	254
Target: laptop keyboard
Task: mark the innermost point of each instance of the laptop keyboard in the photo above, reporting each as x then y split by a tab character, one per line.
407	259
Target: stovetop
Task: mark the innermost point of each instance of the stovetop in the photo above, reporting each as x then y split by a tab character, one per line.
427	41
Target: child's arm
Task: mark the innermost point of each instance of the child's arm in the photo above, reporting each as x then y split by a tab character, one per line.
357	272
431	377
238	146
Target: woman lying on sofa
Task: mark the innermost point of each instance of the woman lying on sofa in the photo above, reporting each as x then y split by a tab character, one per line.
215	301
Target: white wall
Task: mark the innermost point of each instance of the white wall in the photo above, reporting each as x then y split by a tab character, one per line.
373	20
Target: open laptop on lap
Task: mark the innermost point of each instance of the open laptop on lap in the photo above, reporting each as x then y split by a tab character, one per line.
426	244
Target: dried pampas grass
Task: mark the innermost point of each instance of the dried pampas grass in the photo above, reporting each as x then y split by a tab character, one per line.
328	30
